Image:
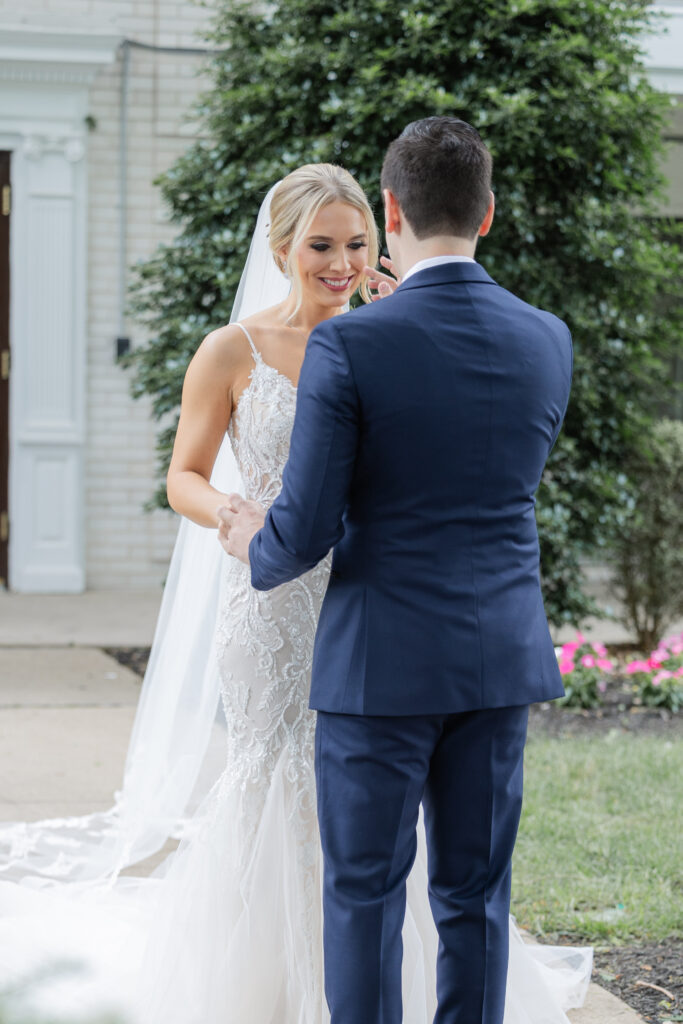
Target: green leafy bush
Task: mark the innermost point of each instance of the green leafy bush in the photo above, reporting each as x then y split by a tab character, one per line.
666	693
648	555
559	93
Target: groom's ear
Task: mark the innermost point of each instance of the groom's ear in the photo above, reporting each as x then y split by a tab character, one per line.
392	211
488	219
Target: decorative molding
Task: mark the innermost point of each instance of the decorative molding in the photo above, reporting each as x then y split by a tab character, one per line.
35	53
72	147
38	73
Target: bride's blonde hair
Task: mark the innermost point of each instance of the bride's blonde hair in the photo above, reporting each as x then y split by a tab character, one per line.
296	202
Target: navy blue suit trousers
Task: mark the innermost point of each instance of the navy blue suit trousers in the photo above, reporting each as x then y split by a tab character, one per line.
372	773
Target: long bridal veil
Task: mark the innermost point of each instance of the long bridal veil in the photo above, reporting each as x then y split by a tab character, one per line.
175	752
73	922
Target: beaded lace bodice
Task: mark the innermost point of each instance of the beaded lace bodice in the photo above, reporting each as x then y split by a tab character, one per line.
260	429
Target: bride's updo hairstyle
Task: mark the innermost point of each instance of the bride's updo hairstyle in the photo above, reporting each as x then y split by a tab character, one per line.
295	204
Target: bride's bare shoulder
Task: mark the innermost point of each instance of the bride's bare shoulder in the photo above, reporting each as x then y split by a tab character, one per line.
228	345
225	348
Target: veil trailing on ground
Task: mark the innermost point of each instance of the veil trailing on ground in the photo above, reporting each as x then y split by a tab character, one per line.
176	749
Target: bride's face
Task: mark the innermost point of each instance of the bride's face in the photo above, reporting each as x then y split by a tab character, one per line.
332	255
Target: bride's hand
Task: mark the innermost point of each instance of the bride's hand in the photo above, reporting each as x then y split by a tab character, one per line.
381	283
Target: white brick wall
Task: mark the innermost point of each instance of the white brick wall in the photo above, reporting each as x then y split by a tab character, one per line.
126	548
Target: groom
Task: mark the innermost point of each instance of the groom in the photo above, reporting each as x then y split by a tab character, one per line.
422	427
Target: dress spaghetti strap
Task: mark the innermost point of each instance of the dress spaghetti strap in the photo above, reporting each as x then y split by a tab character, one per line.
257	354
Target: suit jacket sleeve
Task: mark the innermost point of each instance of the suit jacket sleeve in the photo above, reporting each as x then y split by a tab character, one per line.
565	403
305	520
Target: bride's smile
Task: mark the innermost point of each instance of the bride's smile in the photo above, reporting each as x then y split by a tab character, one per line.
337	284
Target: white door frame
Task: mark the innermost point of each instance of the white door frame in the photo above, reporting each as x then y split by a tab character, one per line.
45	76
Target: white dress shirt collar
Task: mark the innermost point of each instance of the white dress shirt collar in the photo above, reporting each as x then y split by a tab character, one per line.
435	261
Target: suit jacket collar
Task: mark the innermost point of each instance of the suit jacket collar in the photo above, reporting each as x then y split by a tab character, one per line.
447	273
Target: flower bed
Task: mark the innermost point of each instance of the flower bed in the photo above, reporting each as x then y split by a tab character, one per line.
658	680
655	681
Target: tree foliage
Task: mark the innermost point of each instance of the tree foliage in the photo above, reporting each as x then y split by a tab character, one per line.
649	551
557	90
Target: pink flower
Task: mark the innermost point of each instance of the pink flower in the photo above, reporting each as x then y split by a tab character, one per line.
588	661
580	638
637	666
605	664
566	666
677	647
658	656
569	649
678	673
600	649
656	680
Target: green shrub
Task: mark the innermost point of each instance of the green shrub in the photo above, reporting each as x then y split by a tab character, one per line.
648	555
560	95
664	693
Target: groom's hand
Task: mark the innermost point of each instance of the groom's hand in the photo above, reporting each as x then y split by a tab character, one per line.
238	521
382	284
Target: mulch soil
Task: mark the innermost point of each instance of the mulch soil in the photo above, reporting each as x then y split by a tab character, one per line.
618	710
134	658
649	977
615	715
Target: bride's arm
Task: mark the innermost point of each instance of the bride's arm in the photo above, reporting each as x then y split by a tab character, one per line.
205	412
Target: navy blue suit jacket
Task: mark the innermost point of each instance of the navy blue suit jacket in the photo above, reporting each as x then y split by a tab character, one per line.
423	423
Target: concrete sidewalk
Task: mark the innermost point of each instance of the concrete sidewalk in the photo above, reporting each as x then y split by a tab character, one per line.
97	618
67	708
65	721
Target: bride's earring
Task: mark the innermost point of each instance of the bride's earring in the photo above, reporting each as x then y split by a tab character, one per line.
285	268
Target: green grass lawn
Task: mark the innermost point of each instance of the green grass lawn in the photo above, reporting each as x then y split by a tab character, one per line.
600	850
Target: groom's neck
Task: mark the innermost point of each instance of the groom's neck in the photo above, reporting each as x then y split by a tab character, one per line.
416	249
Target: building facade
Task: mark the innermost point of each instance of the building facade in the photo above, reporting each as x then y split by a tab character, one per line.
94	102
87	121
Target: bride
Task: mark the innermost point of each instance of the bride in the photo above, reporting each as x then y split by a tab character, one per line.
228	930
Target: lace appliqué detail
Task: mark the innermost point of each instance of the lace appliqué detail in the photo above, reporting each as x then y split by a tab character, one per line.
265	639
264	646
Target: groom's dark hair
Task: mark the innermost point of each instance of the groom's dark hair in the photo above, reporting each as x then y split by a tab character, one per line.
439	170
